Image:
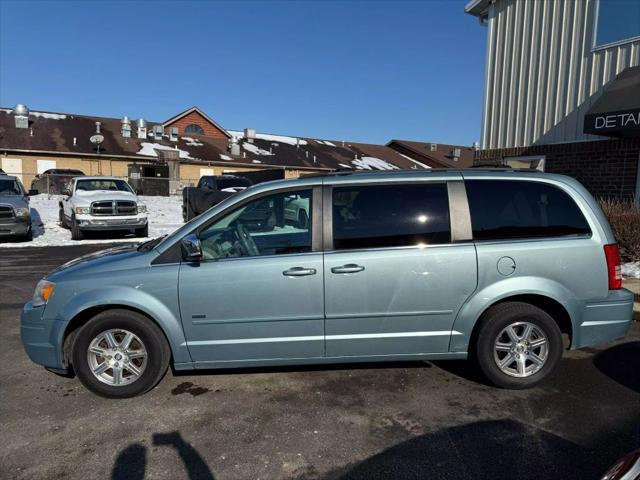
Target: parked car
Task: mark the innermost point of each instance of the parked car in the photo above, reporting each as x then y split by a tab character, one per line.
493	266
210	191
102	203
15	218
54	180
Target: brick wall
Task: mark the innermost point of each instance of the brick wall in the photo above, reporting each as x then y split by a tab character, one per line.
210	130
608	168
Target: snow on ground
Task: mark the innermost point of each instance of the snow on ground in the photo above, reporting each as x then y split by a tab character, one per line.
149	149
631	270
164	213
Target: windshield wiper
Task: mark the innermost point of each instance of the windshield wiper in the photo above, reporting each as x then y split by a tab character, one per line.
149	244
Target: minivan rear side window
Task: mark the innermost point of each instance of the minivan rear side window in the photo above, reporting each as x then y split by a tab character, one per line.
512	209
390	215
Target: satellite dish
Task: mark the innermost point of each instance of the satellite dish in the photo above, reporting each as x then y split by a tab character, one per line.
96	139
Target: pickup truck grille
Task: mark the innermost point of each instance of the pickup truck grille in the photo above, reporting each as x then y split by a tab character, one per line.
114	208
6	212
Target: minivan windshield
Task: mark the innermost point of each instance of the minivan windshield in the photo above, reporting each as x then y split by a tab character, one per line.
113	185
9	187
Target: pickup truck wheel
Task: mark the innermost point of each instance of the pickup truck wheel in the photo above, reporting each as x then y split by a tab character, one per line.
28	236
518	345
76	233
142	232
63	220
120	354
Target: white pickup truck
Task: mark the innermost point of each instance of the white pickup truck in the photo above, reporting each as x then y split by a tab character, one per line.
102	203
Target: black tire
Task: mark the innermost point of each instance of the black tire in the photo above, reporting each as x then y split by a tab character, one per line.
303	219
494	321
28	236
76	233
142	232
158	352
62	219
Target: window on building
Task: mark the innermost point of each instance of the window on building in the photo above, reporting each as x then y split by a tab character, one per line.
277	224
390	216
617	21
508	209
194	129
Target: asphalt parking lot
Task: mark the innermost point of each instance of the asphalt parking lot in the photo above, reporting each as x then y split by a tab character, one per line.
386	421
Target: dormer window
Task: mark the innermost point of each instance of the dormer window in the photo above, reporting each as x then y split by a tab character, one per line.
194	129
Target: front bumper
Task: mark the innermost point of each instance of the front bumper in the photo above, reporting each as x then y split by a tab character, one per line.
15	226
41	338
605	321
89	222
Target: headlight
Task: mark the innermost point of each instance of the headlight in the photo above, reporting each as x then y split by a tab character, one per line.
22	212
82	210
142	208
43	292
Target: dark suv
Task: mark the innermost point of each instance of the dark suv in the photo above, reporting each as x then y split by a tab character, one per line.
54	180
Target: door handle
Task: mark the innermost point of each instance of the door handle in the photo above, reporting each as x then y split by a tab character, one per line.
348	268
299	272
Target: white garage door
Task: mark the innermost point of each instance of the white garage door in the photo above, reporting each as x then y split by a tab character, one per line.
206	171
44	165
12	166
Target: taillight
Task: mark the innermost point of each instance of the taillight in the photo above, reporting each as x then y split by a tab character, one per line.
613	266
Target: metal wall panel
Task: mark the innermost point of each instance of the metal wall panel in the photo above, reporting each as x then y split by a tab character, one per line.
541	73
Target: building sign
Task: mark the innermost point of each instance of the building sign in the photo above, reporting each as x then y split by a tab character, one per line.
623	123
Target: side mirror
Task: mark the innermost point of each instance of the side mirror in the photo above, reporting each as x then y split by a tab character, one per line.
32	192
66	192
191	248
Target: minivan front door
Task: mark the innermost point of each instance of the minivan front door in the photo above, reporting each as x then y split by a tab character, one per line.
257	293
394	281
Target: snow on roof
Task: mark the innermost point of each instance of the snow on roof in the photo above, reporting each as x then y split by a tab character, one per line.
372	163
50	116
272	138
256	161
250	147
149	149
414	161
345	165
192	142
326	142
225	157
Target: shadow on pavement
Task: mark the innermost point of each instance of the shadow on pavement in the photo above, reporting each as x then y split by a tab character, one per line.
622	364
492	450
131	463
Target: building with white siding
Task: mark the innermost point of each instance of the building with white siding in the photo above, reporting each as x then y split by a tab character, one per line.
558	71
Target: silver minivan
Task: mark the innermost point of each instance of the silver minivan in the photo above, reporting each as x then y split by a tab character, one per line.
506	268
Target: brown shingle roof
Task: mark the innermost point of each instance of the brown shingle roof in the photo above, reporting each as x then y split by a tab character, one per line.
54	132
437	155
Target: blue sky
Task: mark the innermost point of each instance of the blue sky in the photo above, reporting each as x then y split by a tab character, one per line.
362	71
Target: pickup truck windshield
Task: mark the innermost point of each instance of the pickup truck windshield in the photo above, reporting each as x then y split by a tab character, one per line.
9	187
105	184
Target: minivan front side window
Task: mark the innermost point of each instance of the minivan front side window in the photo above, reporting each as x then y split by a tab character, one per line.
511	209
269	225
390	216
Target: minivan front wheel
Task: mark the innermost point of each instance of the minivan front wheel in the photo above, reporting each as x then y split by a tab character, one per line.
518	345
119	354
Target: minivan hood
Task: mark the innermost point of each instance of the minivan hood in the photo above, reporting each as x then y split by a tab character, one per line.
102	195
98	259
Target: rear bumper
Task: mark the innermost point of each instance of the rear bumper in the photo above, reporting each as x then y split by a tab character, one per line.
40	338
15	226
605	321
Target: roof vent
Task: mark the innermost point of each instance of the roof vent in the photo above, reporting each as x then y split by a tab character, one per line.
250	134
142	128
476	146
433	147
234	146
173	134
125	127
21	116
158	131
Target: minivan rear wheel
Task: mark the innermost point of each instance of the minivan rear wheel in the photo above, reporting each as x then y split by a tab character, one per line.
120	354
518	345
